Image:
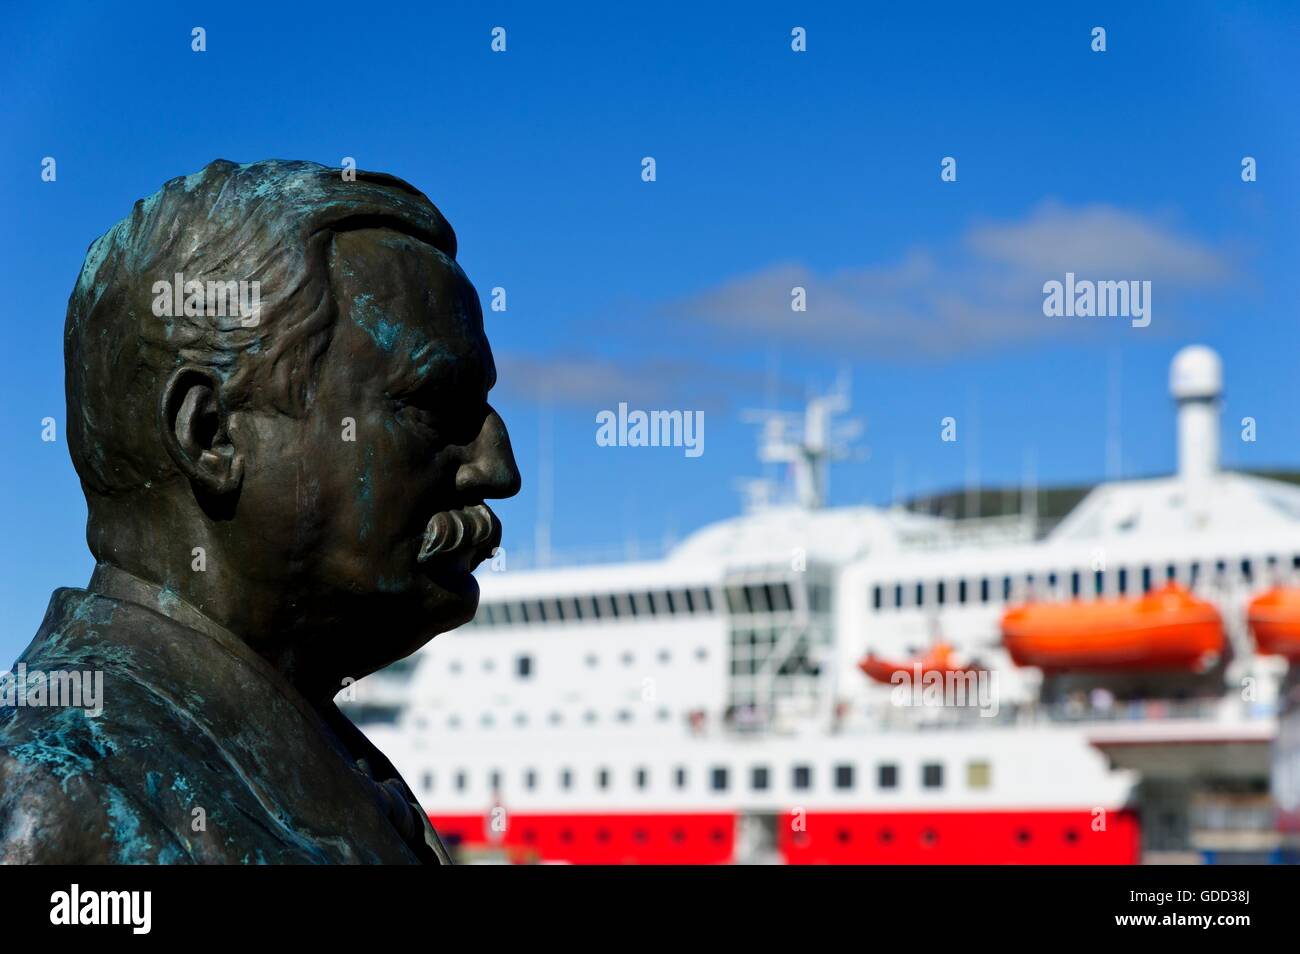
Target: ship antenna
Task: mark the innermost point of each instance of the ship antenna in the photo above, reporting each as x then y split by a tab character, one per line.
546	492
809	442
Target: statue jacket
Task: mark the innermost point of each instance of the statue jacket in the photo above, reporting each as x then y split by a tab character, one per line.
202	753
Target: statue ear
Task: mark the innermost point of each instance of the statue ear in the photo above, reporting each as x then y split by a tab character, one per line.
194	431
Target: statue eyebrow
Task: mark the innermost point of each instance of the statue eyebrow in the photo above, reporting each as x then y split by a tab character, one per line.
441	372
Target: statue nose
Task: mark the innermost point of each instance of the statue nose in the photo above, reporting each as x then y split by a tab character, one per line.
489	469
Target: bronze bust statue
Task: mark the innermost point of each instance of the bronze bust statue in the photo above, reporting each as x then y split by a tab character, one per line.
277	382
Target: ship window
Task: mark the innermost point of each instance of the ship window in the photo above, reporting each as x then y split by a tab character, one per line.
642	778
1051	581
596	606
802	777
521	719
1123	581
1193	574
877	597
602	778
780	596
530	779
525	612
1146	579
591	660
718	779
538	610
589	717
701	654
486	720
920	594
760	598
453	722
843	776
671	602
566	779
643	605
494	781
940	592
735	600
979	774
679	777
690	601
628	659
821	597
454	667
427	781
984	590
505	613
758	778
624	715
555	718
898	596
524	667
932	775
665	656
887	775
1099	582
708	600
1171	571
576	608
961	591
460	781
1245	570
611	606
663	714
1006	589
1295	562
1076	583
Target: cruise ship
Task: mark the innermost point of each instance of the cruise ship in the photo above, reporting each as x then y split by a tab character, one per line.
814	684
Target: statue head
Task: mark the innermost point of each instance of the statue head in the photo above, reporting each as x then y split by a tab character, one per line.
277	383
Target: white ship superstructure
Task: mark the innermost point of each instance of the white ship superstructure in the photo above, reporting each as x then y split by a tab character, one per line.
709	706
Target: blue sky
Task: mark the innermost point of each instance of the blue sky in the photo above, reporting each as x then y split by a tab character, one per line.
774	168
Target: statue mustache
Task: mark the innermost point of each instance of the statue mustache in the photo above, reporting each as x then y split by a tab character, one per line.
453	529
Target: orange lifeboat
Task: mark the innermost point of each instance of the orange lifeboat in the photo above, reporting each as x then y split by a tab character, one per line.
1274	618
938	659
1167	628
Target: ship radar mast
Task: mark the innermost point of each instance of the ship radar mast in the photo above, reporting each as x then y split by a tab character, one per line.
808	443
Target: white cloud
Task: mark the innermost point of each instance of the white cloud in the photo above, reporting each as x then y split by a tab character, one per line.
1098	239
601	382
983	290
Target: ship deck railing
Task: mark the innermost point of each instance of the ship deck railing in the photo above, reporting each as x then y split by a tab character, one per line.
1223	709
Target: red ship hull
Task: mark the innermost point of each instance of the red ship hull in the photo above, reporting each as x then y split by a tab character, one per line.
957	837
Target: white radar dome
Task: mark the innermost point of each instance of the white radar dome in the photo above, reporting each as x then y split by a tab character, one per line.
1196	373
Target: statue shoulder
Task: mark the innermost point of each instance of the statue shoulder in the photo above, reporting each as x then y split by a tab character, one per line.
46	816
